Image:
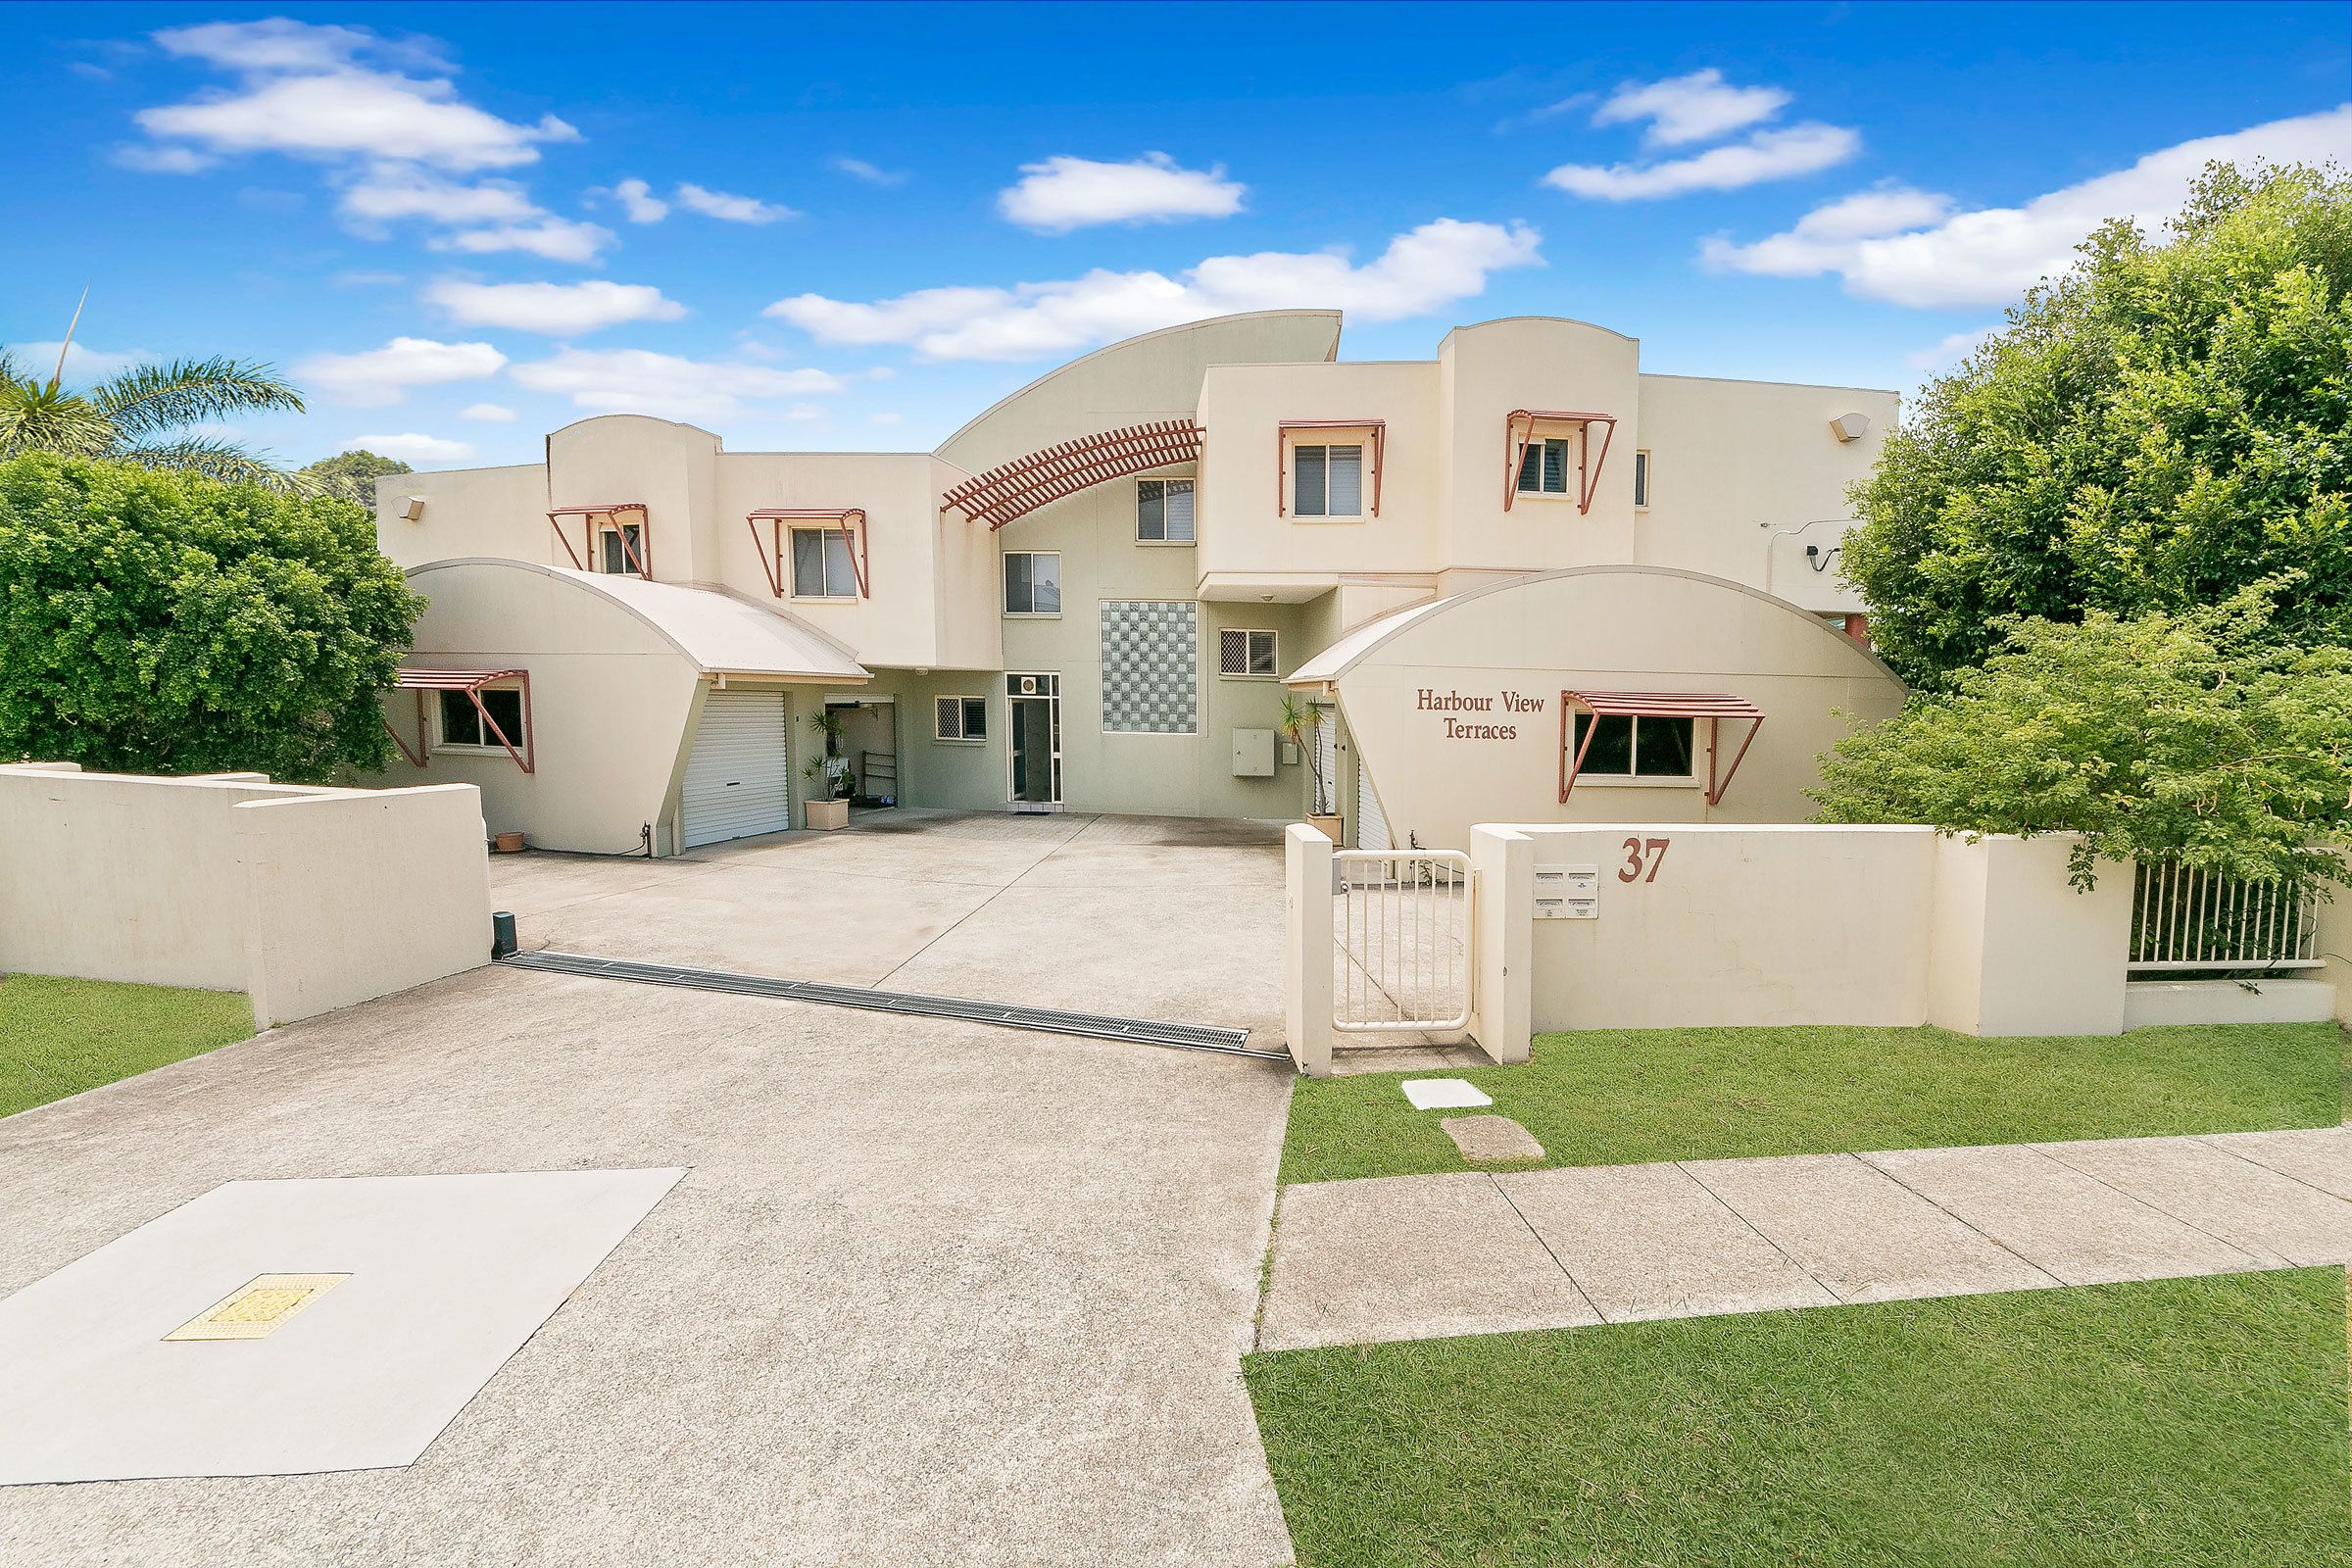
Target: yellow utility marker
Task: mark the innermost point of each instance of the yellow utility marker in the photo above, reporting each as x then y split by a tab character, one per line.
255	1309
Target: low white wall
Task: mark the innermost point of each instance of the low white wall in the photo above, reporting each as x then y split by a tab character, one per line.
1306	955
2335	949
1703	924
306	898
2175	1001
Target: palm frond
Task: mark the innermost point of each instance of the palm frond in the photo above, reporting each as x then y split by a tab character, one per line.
215	458
149	399
35	417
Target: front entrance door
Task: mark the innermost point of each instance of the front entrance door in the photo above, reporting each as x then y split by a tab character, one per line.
1035	702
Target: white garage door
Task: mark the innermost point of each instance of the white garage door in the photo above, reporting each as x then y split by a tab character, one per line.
739	775
1371	824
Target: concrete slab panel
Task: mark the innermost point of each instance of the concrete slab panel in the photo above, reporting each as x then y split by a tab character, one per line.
2274	1218
1649	1241
2318	1157
1409	1257
1861	1233
1492	1140
2068	1224
1444	1094
446	1277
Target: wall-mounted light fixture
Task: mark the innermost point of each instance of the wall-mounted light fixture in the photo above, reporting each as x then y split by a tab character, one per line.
1850	426
413	508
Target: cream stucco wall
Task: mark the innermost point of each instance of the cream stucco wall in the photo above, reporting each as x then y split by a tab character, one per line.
1607	628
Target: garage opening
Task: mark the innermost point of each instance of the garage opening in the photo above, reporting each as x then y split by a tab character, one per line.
739	773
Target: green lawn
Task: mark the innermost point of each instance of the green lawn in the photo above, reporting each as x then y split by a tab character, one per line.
59	1037
1614	1096
2161	1425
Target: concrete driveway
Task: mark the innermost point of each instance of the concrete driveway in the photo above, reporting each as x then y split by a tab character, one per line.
1157	917
929	1292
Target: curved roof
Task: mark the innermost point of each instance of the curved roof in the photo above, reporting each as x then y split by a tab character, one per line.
1355	647
717	632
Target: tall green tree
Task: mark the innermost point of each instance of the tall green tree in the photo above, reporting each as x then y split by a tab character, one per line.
2158	428
142	416
351	476
2199	735
166	622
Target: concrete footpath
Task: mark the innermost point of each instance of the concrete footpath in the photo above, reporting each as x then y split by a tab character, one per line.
1409	1257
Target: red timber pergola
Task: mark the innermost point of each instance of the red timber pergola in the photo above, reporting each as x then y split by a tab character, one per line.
849	519
1379	429
1515	442
1713	707
640	555
470	682
1011	491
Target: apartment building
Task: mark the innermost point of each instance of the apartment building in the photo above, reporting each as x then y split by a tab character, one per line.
1521	581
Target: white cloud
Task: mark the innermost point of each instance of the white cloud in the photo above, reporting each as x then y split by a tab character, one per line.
82	364
280	43
412	446
1698	106
637	200
355	114
1065	193
1765	156
1423	269
886	417
396	191
362	278
637	380
1934	257
559	239
487	413
872	174
384	376
734	209
1951	350
147	159
558	309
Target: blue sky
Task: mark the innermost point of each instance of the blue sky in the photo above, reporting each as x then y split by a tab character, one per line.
461	226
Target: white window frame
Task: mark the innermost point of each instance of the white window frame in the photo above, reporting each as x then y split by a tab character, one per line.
1003	588
1273	672
1535	446
1642	479
1632	780
1191	488
488	745
1363	476
620	534
824	566
961	737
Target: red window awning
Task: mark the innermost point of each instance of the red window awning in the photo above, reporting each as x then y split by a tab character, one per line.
1013	490
1515	442
639	554
850	519
470	682
1713	707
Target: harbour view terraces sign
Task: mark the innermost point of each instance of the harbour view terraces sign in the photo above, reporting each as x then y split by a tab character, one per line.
1469	718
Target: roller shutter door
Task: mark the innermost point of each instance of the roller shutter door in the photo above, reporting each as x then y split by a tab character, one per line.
1327	761
1371	826
739	774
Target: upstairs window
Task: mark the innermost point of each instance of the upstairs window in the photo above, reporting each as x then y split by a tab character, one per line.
960	719
461	722
621	548
1164	512
1636	748
821	567
1544	468
1640	481
1032	583
1243	654
1327	481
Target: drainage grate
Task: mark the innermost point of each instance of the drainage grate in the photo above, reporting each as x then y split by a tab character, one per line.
1046	1020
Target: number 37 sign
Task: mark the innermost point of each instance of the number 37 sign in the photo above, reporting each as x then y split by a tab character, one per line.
1643	857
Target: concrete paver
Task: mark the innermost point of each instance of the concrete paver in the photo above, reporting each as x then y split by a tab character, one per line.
2316	1156
1649	1241
2064	1222
1862	1234
1492	1140
2274	1218
1409	1257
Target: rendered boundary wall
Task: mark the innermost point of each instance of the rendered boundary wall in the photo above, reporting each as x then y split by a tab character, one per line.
305	898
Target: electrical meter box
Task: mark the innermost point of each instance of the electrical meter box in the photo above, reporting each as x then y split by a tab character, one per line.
1252	754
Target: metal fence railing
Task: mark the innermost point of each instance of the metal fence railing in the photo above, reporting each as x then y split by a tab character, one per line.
2184	919
1401	941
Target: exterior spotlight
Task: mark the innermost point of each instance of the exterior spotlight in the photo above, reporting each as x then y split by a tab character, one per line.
413	508
1850	426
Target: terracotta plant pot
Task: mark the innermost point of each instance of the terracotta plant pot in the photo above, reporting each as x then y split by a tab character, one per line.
509	843
1328	826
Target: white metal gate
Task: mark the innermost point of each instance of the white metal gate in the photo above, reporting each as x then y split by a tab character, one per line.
2185	919
739	774
1401	941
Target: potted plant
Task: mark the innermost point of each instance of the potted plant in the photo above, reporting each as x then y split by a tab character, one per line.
823	808
1296	723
